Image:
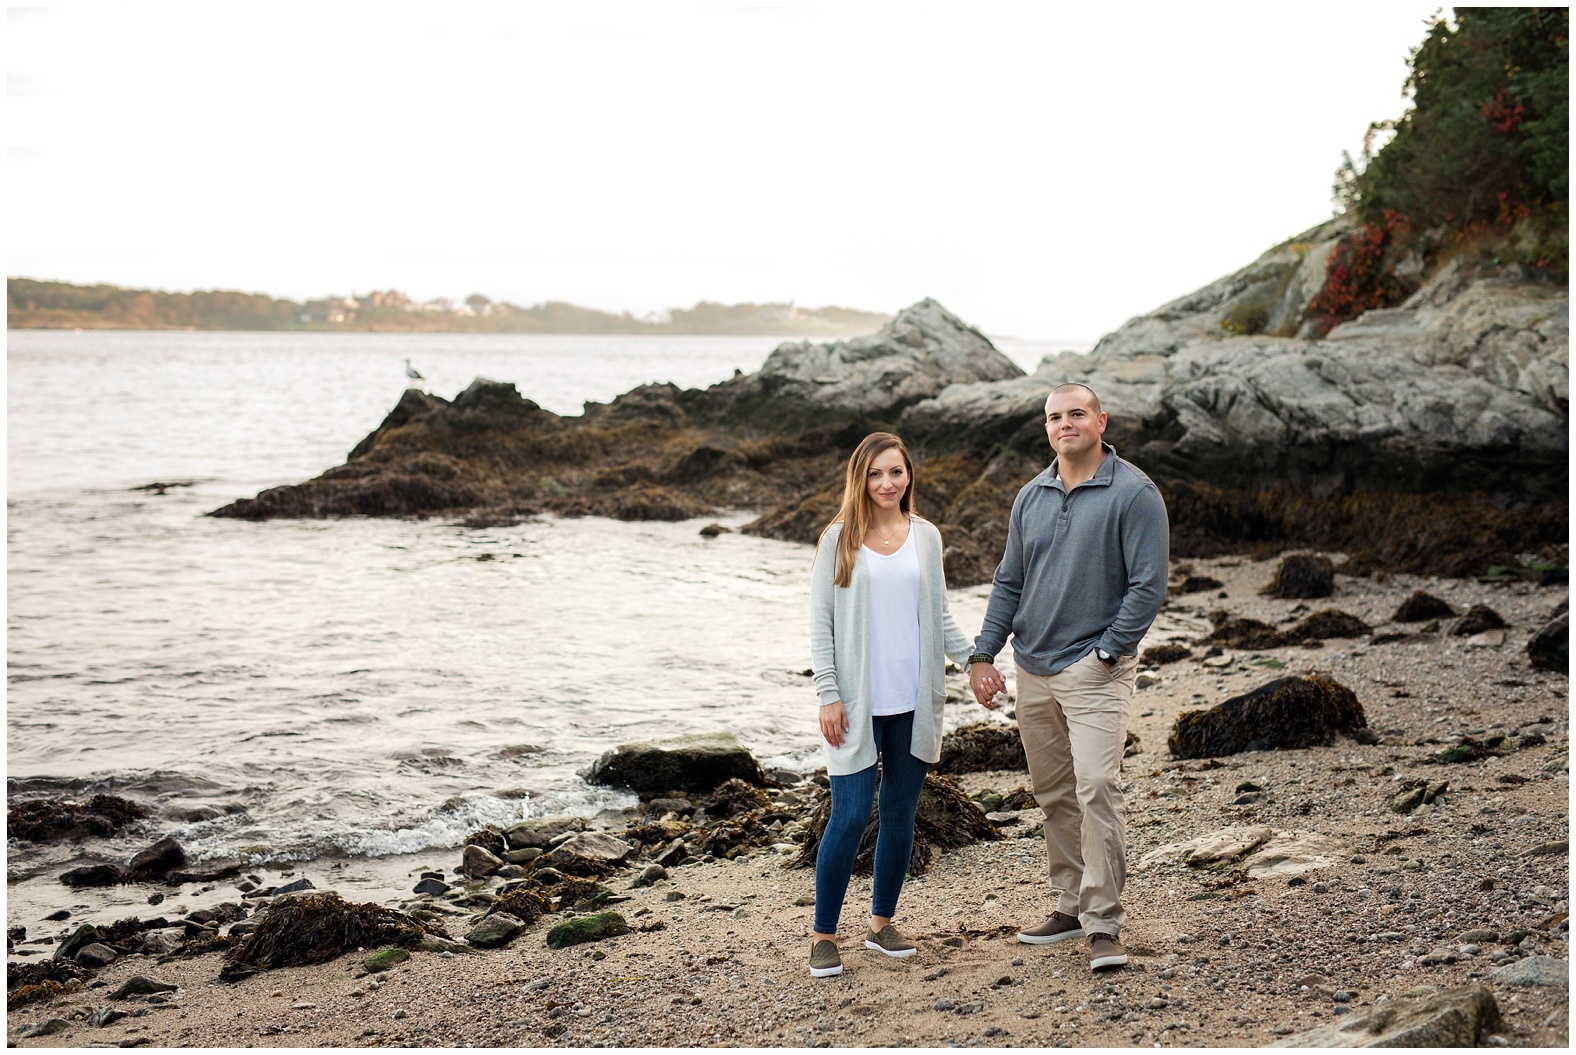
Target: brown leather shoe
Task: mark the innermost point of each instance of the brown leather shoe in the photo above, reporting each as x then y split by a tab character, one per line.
824	960
1105	951
1059	927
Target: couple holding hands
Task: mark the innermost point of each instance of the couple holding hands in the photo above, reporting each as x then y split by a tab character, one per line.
1082	578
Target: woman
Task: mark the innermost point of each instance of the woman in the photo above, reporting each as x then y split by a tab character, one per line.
879	626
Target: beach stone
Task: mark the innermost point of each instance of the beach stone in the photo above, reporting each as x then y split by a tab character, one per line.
595	927
104	1016
84	935
671	854
383	959
1479	617
163	856
431	886
142	985
48	1027
696	762
95	955
1291	712
92	876
1292	853
1550	649
597	846
494	931
1480	935
1216	848
433	943
540	832
1449	1019
1534	970
1487	639
652	873
523	856
477	862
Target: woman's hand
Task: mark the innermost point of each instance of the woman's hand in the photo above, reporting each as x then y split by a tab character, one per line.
834	723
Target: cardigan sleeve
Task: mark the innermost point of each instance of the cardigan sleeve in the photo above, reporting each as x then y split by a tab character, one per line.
954	642
823	605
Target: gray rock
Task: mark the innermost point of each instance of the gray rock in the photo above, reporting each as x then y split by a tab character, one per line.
163	856
598	846
510	872
1550	649
1479	935
672	853
478	861
1534	970
540	832
142	985
104	1016
96	954
494	931
48	1027
1451	1019
430	886
697	762
650	874
523	856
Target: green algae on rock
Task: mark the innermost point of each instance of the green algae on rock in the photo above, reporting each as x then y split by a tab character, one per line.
1286	713
595	927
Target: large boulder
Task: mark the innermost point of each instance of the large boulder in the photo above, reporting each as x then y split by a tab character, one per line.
1287	713
920	353
697	762
1452	1019
1551	648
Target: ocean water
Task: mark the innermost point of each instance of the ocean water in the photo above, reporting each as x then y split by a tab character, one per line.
359	688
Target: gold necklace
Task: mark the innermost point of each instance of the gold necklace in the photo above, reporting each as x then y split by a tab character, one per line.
887	540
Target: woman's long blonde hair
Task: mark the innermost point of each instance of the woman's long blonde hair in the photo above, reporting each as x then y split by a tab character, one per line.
857	512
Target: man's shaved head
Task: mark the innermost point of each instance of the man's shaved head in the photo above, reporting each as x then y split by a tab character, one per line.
1094	400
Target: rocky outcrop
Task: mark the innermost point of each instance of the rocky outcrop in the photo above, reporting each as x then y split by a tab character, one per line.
697	762
1452	1019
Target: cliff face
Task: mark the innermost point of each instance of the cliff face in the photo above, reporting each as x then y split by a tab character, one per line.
1432	437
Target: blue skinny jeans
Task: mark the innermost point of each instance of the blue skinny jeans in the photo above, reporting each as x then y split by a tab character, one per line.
902	778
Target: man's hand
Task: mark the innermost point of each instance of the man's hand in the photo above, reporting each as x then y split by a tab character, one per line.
834	723
986	681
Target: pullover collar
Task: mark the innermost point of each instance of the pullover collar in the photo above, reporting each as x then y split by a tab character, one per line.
1102	476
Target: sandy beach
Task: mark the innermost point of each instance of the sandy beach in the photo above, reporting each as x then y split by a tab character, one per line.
1378	910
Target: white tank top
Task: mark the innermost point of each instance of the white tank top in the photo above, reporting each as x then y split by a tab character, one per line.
894	627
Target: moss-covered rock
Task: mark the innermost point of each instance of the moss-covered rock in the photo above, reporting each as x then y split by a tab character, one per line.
595	927
383	959
1287	713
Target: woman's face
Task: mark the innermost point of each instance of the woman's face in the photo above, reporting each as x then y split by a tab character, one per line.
887	479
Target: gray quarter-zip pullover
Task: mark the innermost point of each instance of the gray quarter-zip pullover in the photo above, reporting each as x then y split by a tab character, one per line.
1082	570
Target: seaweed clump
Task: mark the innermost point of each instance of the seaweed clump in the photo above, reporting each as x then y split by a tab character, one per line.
1479	617
1421	607
51	820
1162	654
946	819
983	746
1326	624
734	797
315	928
523	903
1286	713
1302	576
1247	634
33	983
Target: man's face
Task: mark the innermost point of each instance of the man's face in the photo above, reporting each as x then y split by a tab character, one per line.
1071	423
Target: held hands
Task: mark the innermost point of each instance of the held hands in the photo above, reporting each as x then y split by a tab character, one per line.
834	723
986	681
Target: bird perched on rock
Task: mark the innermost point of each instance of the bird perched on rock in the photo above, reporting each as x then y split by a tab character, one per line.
412	373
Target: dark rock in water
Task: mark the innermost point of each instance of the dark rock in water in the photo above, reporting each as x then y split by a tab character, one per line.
1455	1018
1247	634
1302	576
1286	713
495	931
84	935
1479	617
595	927
713	530
315	928
59	914
224	912
51	820
542	831
1160	655
490	839
93	876
1323	625
1199	584
1550	649
213	873
981	747
431	886
96	955
32	983
1421	607
163	856
698	762
946	819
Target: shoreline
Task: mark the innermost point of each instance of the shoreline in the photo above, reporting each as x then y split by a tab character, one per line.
1227	958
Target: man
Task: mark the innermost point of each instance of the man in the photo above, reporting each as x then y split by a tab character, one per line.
1083	576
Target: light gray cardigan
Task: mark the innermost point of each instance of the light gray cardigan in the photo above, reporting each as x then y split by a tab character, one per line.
840	649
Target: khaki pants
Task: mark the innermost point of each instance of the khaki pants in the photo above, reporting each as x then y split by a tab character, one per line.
1074	726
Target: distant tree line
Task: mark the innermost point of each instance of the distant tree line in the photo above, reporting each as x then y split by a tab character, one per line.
36	304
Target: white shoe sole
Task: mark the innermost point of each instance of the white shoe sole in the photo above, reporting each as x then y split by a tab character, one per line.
1049	939
899	954
1108	961
825	972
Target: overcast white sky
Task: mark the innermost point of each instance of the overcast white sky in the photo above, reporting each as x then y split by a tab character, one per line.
1045	170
